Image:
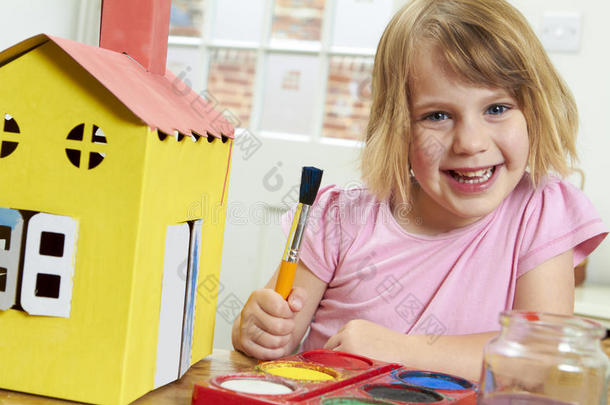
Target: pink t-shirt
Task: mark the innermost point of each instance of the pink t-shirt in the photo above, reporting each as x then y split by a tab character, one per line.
448	284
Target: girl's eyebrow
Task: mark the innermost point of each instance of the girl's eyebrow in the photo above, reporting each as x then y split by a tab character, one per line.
437	102
431	104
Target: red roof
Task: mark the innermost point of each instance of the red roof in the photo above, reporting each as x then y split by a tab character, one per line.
162	102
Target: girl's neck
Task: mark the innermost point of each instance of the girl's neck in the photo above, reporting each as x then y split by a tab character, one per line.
422	215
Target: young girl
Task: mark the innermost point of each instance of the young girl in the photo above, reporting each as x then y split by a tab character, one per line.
451	229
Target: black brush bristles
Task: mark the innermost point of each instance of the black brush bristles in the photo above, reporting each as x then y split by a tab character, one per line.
311	177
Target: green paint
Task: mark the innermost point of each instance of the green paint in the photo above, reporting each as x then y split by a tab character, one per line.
352	401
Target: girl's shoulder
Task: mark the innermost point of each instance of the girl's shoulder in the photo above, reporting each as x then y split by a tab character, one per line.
553	217
551	194
345	197
337	206
349	208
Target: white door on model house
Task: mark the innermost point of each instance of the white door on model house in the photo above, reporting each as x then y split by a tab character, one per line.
294	78
179	286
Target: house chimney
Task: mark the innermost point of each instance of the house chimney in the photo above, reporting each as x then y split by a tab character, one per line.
139	28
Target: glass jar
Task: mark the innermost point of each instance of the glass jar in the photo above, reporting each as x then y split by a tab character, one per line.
540	358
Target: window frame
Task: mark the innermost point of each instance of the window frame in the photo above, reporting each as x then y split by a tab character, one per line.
324	50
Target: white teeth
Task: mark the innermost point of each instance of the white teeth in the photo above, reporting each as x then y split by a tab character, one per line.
477	173
478	176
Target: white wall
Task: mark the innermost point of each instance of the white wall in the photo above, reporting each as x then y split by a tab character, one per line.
25	18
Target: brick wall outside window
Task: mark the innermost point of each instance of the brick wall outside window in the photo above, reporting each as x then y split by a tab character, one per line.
231	80
232	71
298	19
348	97
186	18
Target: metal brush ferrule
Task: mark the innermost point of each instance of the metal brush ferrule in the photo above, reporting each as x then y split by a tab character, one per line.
291	253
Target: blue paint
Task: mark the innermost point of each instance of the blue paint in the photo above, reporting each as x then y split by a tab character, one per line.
9	217
189	315
434	380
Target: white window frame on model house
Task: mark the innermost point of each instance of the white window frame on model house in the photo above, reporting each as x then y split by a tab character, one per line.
324	50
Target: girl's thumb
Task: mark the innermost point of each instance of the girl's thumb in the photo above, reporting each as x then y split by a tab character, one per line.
297	299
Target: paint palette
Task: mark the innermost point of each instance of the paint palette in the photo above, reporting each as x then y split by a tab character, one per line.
328	377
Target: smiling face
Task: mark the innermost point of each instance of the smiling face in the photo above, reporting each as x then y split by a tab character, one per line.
469	147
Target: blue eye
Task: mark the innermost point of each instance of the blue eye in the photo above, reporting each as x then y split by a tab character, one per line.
437	116
497	109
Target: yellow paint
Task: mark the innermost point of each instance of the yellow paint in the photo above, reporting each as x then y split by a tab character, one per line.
105	352
299	373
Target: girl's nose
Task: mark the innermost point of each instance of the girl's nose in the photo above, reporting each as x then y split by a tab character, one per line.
470	137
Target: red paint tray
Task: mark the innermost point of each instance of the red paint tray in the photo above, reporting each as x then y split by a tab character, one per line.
329	377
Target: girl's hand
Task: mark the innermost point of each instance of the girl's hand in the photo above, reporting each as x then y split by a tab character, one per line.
368	339
266	326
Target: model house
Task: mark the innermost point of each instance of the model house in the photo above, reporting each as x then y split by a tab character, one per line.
114	178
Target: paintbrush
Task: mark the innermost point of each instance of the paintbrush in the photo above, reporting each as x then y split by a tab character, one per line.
310	183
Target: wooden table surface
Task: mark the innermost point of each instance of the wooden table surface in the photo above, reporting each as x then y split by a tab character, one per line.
179	392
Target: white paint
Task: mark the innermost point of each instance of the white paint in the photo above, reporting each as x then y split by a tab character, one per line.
172	304
255	386
35	263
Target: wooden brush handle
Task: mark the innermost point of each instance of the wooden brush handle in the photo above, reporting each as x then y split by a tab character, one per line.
285	278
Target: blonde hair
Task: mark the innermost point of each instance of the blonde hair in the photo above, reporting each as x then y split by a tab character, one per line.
487	42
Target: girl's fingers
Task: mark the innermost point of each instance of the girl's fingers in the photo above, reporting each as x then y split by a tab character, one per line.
270	324
266	325
261	352
333	342
273	304
264	339
297	298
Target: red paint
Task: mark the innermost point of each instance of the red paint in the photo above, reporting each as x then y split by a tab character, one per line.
531	316
162	102
224	185
338	359
358	380
474	188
